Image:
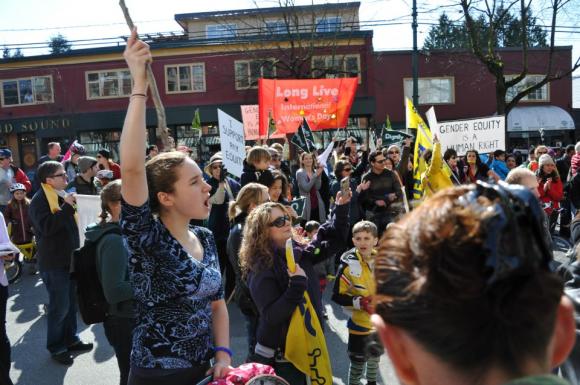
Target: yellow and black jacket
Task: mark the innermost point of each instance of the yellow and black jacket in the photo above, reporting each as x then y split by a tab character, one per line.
353	282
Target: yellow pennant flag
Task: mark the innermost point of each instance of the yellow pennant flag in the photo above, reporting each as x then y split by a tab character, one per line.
423	141
305	342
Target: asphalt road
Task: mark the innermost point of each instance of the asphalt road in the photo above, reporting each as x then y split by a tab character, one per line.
31	363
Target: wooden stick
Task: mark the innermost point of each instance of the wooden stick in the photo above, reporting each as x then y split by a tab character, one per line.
162	131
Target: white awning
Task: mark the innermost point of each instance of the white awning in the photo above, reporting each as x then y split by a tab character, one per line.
534	118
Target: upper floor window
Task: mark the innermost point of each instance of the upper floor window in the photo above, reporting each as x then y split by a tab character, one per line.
108	84
248	72
328	24
432	90
185	78
337	66
216	31
26	91
542	94
276	26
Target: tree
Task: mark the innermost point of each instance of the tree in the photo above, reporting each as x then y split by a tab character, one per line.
58	45
483	44
507	33
17	53
5	53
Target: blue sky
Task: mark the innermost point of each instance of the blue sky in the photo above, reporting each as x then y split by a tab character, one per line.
35	21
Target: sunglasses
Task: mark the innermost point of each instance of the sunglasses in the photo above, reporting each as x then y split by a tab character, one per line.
280	221
58	175
380	161
216	166
542	152
393	152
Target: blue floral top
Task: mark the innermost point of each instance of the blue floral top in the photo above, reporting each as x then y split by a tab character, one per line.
173	292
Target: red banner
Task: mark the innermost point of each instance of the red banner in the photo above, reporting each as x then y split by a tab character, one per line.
325	103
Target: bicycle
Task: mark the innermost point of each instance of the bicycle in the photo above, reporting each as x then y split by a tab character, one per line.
13	266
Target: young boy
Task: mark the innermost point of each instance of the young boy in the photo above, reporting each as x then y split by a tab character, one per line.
256	167
353	289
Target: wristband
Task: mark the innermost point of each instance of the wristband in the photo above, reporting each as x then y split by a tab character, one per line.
142	95
224	349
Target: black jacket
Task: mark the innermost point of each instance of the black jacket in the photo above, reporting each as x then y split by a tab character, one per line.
381	186
250	174
57	234
276	294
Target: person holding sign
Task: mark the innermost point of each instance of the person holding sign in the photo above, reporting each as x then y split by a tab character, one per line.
437	176
182	319
278	290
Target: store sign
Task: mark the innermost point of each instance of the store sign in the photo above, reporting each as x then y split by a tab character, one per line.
34	125
325	103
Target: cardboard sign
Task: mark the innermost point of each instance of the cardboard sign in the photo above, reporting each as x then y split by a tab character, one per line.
232	143
251	119
484	135
325	103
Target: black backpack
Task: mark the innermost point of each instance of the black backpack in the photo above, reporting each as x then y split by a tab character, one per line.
92	303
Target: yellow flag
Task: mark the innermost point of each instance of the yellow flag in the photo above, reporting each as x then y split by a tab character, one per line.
424	141
306	345
305	342
412	116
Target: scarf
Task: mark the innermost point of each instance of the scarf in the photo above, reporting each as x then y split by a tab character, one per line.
52	198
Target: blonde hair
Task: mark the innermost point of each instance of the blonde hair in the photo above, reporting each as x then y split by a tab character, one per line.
250	193
256	249
258	154
109	194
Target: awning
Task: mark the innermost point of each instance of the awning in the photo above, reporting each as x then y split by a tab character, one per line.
536	118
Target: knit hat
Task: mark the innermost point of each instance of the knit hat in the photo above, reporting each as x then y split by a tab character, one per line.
546	159
217	157
86	162
105	153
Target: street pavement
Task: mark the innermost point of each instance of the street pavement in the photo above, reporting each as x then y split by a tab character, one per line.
32	365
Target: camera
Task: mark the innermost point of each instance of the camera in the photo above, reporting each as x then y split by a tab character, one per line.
223	173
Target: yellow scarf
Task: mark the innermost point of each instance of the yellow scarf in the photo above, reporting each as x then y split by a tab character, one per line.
305	342
52	198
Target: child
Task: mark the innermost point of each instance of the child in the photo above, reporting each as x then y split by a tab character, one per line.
353	289
16	214
256	167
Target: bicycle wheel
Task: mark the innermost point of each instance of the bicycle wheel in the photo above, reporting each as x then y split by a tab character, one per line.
13	269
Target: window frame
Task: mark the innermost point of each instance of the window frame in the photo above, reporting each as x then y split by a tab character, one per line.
188	65
250	86
118	70
338	24
31	78
279	23
226	27
525	98
343	57
452	96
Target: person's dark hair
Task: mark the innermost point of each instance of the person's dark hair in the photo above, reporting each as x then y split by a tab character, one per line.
311	226
150	148
496	307
279	175
427	155
104	153
478	161
47	169
498	153
570	149
449	153
387	159
339	167
373	155
511	156
162	174
109	194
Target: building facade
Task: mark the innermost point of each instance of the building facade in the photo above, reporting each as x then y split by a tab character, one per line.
216	63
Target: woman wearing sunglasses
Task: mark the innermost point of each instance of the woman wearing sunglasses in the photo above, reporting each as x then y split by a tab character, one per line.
275	290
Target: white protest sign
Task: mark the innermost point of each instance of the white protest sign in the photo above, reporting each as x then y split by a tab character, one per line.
88	209
484	135
232	143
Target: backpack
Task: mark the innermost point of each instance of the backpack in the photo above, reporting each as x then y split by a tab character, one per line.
93	305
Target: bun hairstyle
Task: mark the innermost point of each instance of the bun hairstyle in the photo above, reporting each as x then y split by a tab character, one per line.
467	275
109	194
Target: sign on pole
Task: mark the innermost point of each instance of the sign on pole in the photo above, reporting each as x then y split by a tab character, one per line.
232	143
484	135
251	119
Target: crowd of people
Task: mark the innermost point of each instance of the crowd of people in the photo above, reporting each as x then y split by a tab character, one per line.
176	241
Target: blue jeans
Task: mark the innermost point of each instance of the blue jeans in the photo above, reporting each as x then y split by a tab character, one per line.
61	331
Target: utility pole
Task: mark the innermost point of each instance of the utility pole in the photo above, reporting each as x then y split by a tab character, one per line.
414	58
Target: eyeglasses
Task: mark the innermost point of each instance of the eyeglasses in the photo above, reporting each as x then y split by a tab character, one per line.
380	161
280	221
216	166
393	152
59	175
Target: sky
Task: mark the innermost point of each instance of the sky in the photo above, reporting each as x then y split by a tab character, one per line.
35	21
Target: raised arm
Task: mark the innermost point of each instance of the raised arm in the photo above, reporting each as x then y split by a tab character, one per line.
134	136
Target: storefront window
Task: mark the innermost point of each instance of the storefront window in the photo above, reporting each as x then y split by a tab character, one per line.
95	140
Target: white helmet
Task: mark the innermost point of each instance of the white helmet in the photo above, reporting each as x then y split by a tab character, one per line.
17	187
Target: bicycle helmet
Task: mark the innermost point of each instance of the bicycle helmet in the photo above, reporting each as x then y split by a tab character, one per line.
17	187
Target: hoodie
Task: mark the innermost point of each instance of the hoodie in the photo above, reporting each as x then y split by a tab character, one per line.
112	269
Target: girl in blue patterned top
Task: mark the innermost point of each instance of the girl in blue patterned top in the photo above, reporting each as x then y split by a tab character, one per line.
182	319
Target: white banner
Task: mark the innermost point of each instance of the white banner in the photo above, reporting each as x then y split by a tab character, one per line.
232	143
484	135
89	209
